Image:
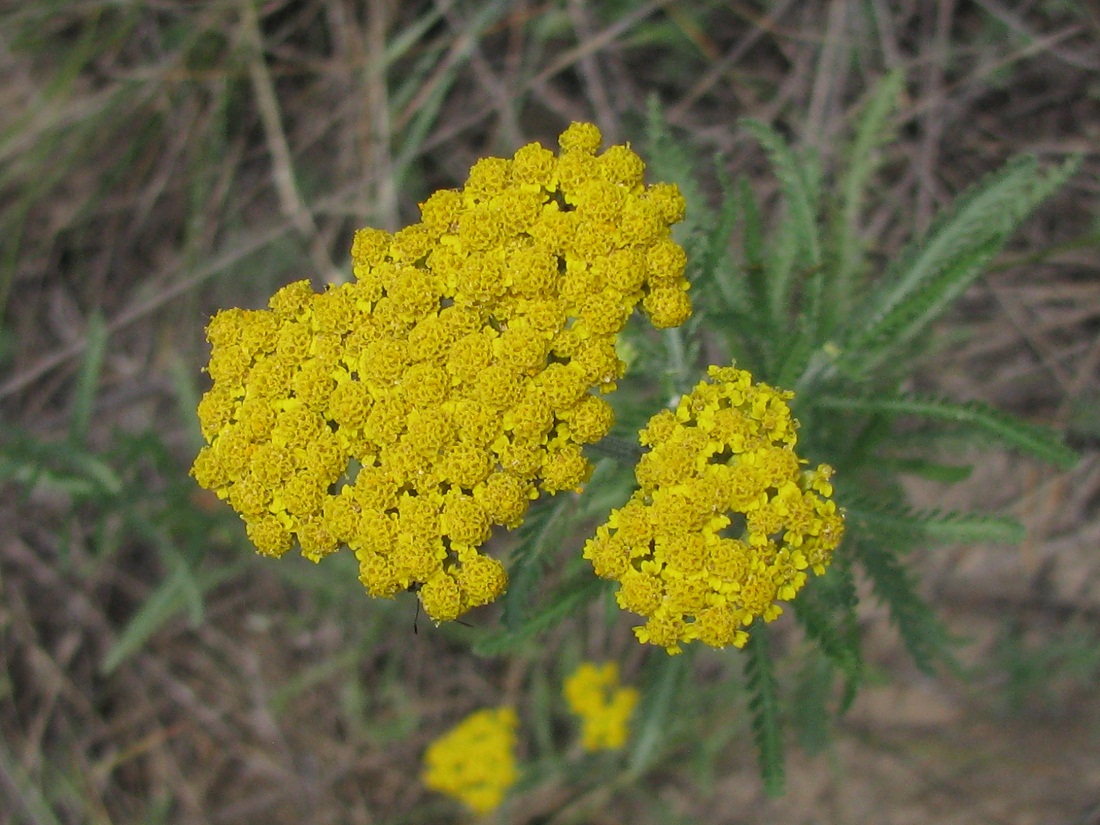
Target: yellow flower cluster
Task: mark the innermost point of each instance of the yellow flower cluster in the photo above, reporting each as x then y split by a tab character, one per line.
406	414
593	693
475	761
725	522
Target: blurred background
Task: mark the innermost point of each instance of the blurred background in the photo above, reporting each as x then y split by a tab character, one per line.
161	160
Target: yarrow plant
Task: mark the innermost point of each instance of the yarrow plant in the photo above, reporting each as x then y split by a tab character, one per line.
406	414
475	761
410	413
595	695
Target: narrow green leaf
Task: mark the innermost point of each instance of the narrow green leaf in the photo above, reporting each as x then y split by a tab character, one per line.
171	597
713	264
671	159
764	707
805	341
894	332
1040	442
568	600
541	531
983	215
752	239
930	470
842	581
814	611
87	381
660	698
427	113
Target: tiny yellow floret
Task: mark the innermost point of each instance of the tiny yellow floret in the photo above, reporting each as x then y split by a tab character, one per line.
594	694
475	761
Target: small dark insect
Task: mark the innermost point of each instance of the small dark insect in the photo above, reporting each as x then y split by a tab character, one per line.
415	588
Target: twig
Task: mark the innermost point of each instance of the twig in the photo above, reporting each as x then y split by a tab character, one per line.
593	78
282	163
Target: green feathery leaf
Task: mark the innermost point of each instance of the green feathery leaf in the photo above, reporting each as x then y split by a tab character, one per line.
805	340
935	271
899	523
669	159
923	634
815	610
1040	442
796	242
661	696
542	529
862	161
842	580
809	708
712	264
931	470
764	706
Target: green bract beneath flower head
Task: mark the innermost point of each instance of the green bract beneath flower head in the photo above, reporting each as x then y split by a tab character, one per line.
406	414
726	520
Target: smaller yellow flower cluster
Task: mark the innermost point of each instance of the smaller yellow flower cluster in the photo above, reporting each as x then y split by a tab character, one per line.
408	413
594	694
725	522
475	761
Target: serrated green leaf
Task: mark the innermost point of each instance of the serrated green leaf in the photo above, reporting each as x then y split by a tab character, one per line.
930	274
540	532
924	636
861	162
671	160
1040	442
764	706
805	340
809	707
930	470
901	523
814	609
797	182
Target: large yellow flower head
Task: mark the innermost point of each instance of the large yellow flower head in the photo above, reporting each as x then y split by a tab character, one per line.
594	694
475	761
407	413
726	520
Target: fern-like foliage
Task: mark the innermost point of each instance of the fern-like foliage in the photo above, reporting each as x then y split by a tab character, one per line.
901	524
1039	441
809	705
935	270
577	591
845	248
764	707
824	609
799	243
924	635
